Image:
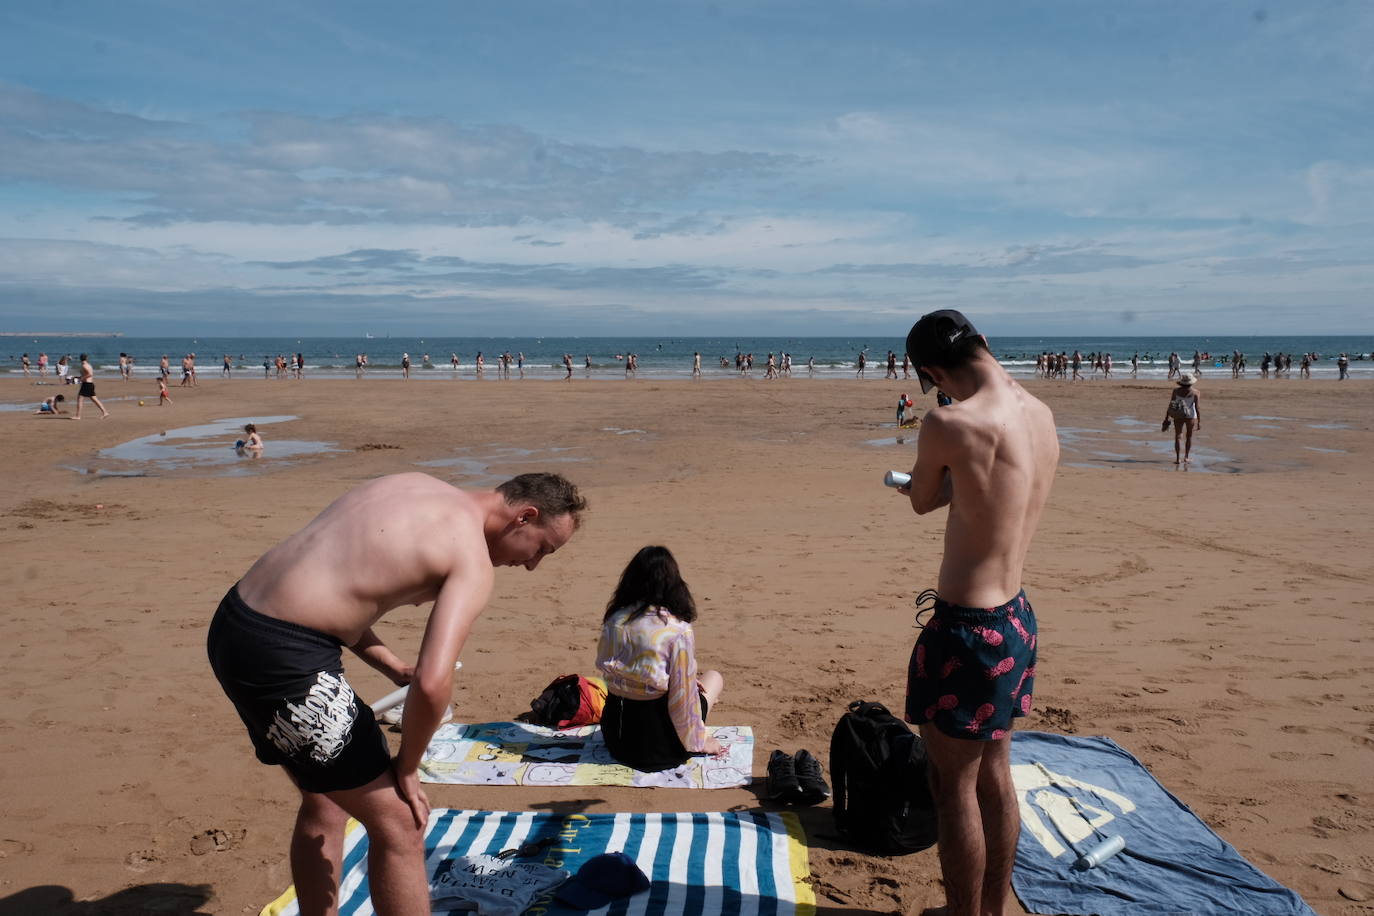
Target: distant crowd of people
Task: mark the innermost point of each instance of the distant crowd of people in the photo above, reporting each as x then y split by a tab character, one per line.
1063	365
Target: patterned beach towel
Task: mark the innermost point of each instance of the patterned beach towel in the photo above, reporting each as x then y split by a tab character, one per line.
519	754
734	863
1077	792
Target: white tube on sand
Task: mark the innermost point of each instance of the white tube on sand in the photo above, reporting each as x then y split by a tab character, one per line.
397	697
896	479
1101	852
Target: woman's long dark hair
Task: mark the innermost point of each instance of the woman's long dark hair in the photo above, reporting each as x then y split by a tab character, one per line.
652	580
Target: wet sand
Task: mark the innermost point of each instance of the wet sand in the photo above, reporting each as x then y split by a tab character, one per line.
1216	622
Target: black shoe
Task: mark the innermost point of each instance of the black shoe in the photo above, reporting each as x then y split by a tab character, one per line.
813	789
782	782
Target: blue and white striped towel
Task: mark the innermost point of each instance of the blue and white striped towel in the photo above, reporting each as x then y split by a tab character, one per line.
732	863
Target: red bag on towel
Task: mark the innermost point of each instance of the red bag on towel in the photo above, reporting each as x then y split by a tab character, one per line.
568	702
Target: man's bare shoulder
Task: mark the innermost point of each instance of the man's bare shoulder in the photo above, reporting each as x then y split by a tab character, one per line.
410	481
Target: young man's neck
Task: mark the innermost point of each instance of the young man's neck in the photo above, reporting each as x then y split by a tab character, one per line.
978	374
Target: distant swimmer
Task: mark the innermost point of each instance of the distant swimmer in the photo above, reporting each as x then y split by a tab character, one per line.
696	365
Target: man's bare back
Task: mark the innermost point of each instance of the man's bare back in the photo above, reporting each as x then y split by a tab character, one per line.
991	459
999	449
389	543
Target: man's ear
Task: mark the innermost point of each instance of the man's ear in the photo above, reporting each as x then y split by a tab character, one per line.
527	515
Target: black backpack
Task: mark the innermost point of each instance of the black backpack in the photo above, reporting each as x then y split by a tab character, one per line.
878	766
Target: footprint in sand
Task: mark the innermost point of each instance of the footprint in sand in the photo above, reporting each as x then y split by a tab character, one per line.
1359	891
213	840
10	848
142	860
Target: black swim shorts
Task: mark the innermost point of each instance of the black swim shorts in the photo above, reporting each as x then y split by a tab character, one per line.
973	669
287	683
87	390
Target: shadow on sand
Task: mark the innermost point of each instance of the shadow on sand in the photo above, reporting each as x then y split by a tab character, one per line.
159	899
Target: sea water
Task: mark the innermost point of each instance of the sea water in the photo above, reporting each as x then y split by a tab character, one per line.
659	357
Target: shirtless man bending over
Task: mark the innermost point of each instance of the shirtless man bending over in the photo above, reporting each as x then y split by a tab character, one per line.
990	457
275	645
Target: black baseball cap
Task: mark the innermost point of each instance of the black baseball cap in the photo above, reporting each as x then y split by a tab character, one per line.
934	336
602	879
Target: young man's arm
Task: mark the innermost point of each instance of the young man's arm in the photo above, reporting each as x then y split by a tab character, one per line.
930	486
372	650
461	599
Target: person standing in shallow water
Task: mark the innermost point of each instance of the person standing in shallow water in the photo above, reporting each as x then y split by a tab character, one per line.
1185	412
990	457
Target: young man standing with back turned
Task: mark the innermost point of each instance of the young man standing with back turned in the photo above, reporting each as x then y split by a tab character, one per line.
990	457
275	646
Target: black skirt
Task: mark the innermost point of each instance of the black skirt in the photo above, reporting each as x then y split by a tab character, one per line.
640	733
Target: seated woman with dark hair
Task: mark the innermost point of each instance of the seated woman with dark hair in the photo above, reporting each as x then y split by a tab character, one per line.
655	715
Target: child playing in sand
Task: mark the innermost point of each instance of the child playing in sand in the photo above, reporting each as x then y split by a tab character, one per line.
51	407
253	443
655	714
163	395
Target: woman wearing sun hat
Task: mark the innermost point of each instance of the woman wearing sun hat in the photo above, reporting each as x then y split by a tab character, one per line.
1185	410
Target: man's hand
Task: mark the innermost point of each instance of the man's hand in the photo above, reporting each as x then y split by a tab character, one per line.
716	749
401	675
408	787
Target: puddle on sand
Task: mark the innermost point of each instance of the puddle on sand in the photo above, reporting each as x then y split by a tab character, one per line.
1328	425
1243	437
207	445
1260	416
1097	448
1329	451
476	464
893	440
622	432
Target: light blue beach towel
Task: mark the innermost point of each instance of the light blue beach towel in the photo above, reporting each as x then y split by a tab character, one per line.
1076	792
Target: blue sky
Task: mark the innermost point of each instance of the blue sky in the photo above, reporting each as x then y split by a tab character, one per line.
750	167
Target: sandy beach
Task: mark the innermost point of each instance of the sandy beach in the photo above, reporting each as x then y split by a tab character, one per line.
1214	622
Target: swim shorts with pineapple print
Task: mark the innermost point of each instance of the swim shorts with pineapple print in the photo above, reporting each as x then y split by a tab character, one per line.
973	669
